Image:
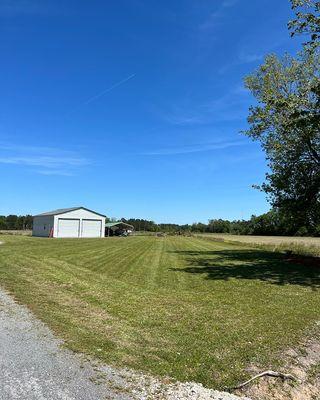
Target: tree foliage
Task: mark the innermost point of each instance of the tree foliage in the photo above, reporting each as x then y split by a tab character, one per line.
15	222
274	222
286	121
307	21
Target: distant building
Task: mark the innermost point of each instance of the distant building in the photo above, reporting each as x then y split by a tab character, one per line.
118	228
75	222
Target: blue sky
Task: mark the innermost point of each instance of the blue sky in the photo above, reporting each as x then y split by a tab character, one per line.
133	108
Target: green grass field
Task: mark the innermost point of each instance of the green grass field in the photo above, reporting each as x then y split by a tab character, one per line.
298	244
190	308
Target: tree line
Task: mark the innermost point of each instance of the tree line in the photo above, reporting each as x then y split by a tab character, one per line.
15	222
275	223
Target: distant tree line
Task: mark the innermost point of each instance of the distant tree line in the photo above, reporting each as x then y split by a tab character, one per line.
15	222
274	222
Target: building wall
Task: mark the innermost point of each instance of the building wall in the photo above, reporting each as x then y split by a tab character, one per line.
42	225
81	215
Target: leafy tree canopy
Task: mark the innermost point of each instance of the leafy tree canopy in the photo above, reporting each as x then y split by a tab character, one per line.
286	121
307	21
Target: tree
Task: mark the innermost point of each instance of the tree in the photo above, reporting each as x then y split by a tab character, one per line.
3	222
12	221
286	121
218	226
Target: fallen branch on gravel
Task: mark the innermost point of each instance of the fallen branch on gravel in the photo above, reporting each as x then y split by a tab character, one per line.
267	373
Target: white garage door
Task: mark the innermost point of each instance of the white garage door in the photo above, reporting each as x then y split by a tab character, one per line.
91	228
68	228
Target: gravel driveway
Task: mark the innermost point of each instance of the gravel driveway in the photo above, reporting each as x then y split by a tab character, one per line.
34	366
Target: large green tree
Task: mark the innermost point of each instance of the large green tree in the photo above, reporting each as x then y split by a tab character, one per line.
286	121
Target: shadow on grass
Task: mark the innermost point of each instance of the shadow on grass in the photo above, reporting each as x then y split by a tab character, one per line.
252	264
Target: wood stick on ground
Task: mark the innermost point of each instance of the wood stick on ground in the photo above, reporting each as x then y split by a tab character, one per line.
267	373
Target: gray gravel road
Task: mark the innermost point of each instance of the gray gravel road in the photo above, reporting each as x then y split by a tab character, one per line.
34	366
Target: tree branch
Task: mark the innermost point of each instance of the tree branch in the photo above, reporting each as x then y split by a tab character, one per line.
266	373
313	152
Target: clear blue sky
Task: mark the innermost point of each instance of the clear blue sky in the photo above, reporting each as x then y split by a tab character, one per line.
133	108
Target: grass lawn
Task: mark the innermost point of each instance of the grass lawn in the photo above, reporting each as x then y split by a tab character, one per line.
190	308
298	244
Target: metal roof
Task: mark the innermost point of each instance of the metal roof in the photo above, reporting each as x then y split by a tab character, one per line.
65	210
111	224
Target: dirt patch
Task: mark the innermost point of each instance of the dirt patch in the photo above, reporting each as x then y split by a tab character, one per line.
304	364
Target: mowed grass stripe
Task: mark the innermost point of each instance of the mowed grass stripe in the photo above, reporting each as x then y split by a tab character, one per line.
118	257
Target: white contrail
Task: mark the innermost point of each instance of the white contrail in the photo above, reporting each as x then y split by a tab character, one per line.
97	96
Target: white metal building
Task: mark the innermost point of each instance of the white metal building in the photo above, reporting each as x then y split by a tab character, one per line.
75	222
